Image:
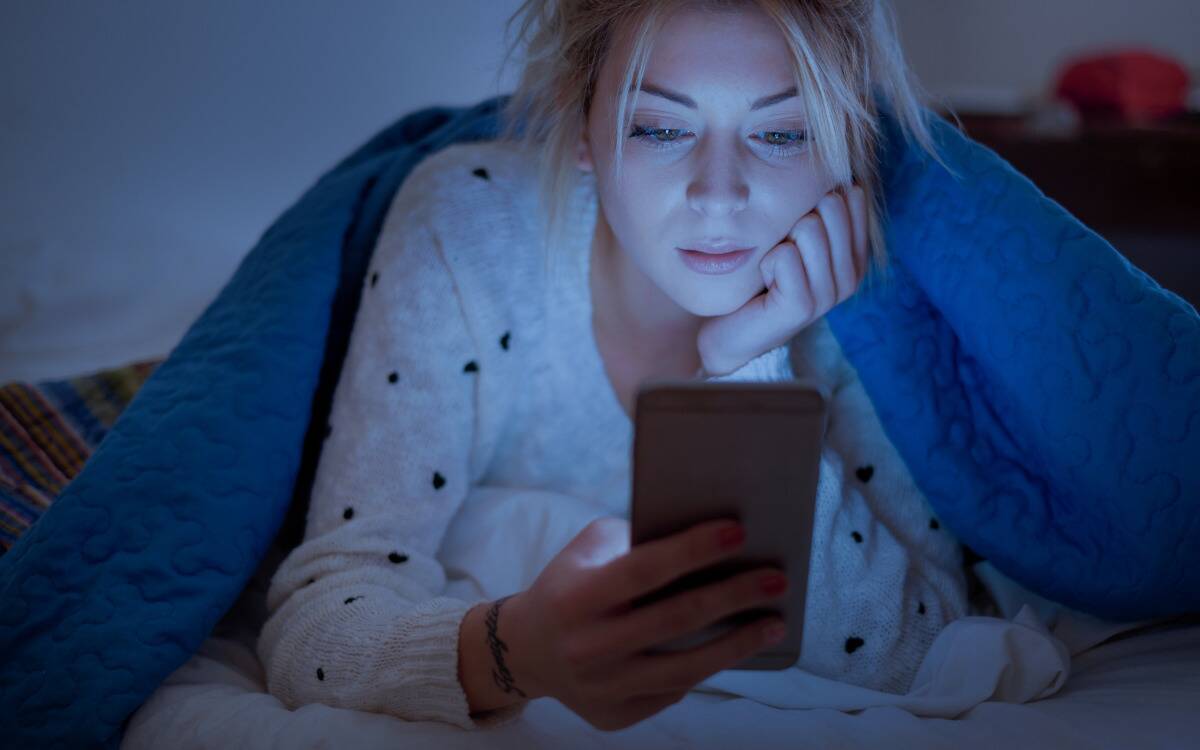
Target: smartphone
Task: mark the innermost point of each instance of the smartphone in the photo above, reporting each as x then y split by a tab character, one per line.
748	451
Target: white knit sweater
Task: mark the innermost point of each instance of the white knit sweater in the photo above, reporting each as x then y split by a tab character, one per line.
469	371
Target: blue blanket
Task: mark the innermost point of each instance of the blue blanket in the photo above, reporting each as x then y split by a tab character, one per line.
1043	392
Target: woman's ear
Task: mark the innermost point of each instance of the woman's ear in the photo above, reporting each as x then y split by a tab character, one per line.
583	152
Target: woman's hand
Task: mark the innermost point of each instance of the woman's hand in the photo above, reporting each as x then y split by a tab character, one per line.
818	265
577	638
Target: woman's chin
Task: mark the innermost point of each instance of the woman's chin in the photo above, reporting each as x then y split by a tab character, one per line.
713	302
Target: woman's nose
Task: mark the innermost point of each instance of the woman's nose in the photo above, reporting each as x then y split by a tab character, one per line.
718	188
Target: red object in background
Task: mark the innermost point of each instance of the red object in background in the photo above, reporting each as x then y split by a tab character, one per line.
1133	84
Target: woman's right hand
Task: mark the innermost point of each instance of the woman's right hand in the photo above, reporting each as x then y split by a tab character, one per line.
582	642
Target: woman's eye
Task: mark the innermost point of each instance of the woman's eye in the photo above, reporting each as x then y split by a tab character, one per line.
785	142
655	137
782	142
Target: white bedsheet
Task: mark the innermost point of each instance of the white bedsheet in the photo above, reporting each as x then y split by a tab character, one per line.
1032	678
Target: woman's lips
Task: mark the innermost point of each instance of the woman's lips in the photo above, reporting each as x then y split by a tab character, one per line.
714	263
715	247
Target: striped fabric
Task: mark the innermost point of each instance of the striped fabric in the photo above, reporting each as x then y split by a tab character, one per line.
47	432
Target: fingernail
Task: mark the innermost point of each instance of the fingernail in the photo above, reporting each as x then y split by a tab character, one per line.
774	584
731	536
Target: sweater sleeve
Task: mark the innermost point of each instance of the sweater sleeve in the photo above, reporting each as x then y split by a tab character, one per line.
770	366
356	613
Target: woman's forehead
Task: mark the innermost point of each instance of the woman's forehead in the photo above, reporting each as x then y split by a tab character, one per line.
700	55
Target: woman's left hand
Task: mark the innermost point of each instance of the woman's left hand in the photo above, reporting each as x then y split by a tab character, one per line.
818	265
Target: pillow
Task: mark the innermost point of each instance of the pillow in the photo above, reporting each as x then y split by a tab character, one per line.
47	432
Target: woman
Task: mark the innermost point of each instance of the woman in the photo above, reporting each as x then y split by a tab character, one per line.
692	186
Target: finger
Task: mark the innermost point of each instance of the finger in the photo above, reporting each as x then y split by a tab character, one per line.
856	200
650	566
601	541
813	243
758	325
664	673
681	614
835	216
792	289
766	321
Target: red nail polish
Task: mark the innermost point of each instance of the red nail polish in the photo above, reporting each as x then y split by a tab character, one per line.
731	536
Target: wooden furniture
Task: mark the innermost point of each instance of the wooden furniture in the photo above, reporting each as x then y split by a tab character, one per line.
1138	186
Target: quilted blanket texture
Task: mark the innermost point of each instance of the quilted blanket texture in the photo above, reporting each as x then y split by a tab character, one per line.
1043	391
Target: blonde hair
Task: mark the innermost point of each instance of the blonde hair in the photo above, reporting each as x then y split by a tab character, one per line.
845	52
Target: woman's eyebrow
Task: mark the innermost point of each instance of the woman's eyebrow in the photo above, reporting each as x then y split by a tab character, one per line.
686	101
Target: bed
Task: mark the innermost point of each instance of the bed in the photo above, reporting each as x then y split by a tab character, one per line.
1138	692
1138	687
130	589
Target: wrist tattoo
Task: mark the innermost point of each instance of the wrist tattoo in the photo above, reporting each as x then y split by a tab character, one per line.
501	675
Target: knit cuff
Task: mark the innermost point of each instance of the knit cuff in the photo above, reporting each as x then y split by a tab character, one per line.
773	365
432	662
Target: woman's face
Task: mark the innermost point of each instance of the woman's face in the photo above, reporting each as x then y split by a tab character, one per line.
733	163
